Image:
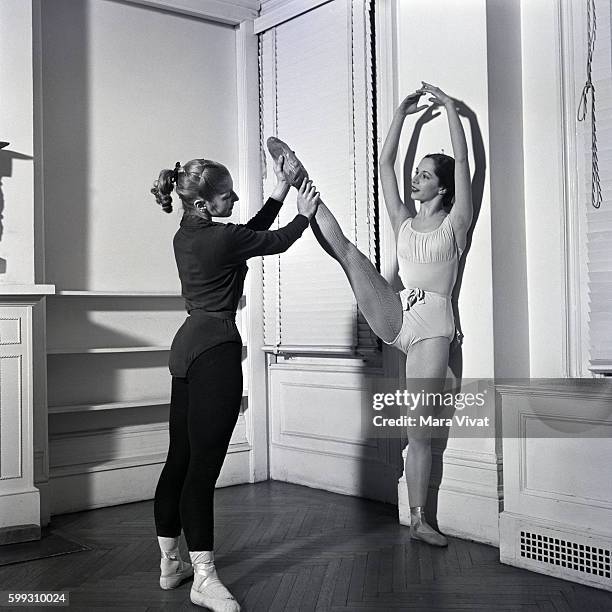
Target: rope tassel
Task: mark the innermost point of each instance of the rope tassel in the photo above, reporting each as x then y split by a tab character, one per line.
589	90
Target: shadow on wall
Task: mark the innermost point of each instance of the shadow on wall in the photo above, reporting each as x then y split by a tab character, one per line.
455	366
6	171
66	131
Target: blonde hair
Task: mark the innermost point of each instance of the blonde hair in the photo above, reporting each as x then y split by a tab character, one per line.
198	178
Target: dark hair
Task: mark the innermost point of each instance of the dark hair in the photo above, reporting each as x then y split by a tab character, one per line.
444	168
199	178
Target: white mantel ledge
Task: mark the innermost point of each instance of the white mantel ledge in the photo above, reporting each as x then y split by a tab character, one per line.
10	291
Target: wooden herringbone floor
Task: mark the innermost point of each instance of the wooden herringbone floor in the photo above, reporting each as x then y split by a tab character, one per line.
286	547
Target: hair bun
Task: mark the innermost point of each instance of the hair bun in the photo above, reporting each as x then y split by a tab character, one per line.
162	188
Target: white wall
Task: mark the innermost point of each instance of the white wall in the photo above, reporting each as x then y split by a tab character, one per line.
445	43
502	58
127	91
16	173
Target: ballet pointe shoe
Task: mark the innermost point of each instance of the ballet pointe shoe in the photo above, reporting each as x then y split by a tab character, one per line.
422	531
293	169
207	590
174	570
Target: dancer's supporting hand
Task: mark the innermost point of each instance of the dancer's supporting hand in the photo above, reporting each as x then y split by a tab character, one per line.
281	189
409	105
307	199
437	96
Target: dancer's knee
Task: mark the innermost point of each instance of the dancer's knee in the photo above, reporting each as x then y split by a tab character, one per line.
420	445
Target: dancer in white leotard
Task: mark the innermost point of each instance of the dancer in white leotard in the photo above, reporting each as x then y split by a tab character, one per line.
418	321
428	264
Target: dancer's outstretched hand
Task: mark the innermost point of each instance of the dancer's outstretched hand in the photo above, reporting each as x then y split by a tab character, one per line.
278	170
437	96
409	105
307	199
281	189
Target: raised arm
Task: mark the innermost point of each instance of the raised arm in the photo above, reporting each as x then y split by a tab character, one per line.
463	208
242	242
398	210
264	218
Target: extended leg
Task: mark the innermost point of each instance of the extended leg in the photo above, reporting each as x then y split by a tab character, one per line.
376	299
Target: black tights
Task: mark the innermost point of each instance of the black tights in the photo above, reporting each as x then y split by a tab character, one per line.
203	411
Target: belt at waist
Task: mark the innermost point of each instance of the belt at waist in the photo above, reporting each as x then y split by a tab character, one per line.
411	295
227	315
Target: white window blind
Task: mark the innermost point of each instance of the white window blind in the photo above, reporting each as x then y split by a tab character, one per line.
599	221
316	95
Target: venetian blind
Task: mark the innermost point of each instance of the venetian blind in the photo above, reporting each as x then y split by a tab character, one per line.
316	95
599	220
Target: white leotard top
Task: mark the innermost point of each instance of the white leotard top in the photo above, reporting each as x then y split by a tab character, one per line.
428	260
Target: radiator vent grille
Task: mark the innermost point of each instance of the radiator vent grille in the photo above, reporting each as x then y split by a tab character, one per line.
572	555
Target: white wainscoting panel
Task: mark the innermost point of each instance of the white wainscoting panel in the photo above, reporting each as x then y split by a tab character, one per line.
317	433
19	498
557	447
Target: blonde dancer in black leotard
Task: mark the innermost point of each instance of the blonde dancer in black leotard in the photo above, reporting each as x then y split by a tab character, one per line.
419	320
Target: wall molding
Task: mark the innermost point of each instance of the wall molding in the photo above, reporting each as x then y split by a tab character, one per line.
333	454
280	13
247	68
126	481
18	421
5	330
327	364
106	446
230	12
575	286
369	477
581	389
